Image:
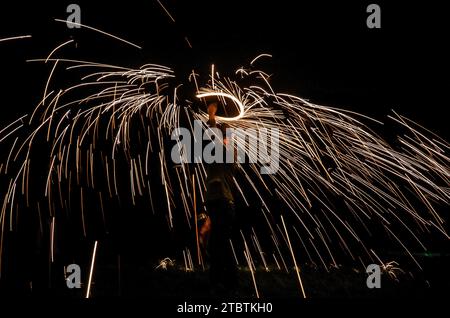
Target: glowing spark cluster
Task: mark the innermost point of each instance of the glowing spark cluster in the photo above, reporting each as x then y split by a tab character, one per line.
336	176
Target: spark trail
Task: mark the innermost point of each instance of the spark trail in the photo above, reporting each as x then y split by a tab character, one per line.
336	176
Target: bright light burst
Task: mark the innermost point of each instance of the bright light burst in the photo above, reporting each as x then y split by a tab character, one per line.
336	176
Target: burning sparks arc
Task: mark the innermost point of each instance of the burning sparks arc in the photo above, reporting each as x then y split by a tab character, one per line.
91	271
15	38
99	31
229	96
335	177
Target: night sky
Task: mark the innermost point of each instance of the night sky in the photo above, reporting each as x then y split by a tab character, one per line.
321	50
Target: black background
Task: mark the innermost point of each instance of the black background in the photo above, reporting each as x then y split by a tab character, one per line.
322	51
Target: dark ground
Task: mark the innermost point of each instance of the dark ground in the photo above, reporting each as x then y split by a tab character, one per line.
341	292
345	283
